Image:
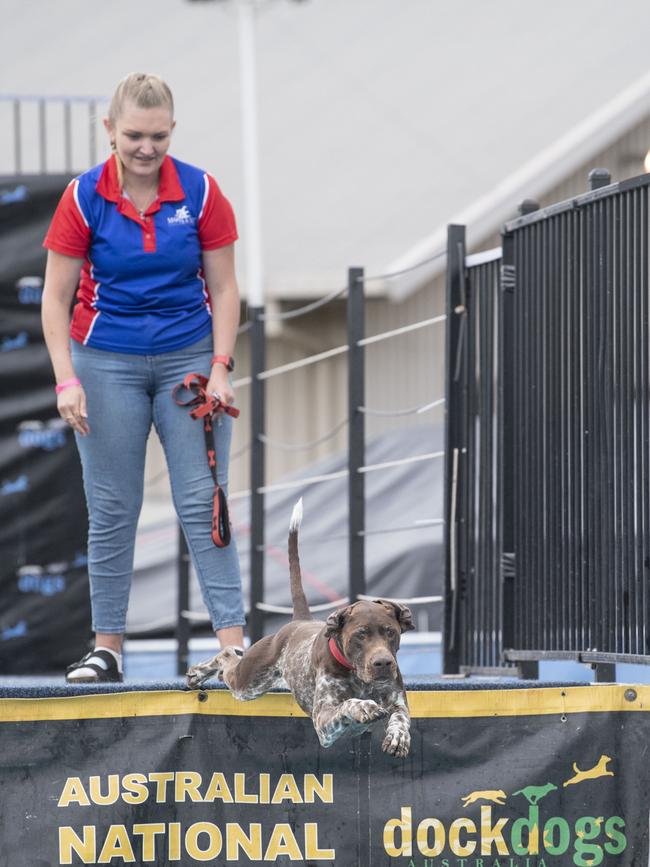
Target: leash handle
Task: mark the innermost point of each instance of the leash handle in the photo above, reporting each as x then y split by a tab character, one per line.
203	406
220	519
203	403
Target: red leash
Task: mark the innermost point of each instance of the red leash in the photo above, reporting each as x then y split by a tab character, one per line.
204	406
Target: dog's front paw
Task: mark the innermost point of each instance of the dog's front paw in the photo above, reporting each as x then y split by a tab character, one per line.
364	711
397	742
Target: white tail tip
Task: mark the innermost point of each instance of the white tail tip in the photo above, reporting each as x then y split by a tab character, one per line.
296	517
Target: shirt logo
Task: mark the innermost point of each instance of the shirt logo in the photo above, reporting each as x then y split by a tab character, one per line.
181	217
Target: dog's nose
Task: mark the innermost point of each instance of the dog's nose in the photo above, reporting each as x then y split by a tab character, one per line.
382	665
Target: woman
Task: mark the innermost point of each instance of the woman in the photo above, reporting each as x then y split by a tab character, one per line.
149	240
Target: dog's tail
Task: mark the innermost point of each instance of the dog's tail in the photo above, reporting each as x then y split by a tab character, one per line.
300	607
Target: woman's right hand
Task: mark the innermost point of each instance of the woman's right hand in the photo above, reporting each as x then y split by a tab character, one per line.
71	403
61	280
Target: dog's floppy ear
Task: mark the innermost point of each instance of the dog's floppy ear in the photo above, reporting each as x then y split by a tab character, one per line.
335	621
402	613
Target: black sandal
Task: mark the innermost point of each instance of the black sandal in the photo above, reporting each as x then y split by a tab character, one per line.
102	663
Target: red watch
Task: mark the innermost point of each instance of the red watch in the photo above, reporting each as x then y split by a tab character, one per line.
227	360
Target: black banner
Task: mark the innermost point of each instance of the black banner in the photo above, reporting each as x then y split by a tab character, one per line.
45	613
495	778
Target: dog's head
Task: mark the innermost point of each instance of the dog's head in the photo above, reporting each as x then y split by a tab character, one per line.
369	633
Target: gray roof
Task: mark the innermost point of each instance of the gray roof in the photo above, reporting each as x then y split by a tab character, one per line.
380	120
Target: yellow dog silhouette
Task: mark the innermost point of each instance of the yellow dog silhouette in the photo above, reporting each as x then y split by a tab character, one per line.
497	796
598	770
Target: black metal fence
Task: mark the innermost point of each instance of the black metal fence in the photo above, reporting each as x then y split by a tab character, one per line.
357	465
474	625
552	510
45	134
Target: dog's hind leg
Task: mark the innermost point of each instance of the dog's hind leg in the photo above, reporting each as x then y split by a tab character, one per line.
253	674
202	671
247	676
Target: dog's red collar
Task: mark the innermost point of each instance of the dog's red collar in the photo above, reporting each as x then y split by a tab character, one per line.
338	656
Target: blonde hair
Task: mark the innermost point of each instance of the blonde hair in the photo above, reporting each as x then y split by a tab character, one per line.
144	90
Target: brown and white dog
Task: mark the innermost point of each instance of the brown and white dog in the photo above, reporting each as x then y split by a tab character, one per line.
343	673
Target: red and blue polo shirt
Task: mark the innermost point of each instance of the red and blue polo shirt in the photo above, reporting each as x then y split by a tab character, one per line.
142	288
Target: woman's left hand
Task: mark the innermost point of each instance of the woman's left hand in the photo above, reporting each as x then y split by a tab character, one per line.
219	384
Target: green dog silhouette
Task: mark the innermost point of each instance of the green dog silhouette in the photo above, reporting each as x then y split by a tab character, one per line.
534	794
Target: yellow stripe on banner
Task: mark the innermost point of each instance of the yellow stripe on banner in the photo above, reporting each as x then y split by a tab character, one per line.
144	703
539	701
429	704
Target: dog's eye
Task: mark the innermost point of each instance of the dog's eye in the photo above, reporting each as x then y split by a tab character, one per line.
390	632
361	633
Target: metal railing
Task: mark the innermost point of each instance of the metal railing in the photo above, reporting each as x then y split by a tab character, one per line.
475	604
357	468
581	521
548	502
50	134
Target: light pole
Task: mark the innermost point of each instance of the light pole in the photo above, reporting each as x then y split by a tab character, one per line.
250	149
255	296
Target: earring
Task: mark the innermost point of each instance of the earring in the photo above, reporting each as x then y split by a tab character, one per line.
113	146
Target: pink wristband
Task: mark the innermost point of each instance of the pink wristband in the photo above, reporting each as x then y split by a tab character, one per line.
66	384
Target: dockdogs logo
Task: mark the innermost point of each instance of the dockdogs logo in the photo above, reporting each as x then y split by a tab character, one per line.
538	838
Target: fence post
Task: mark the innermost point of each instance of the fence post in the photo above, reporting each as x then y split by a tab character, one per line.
42	137
455	433
92	131
67	135
257	471
599	178
182	605
506	427
18	138
356	434
528	206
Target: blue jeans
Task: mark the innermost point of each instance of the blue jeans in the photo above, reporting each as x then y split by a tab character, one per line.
125	394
